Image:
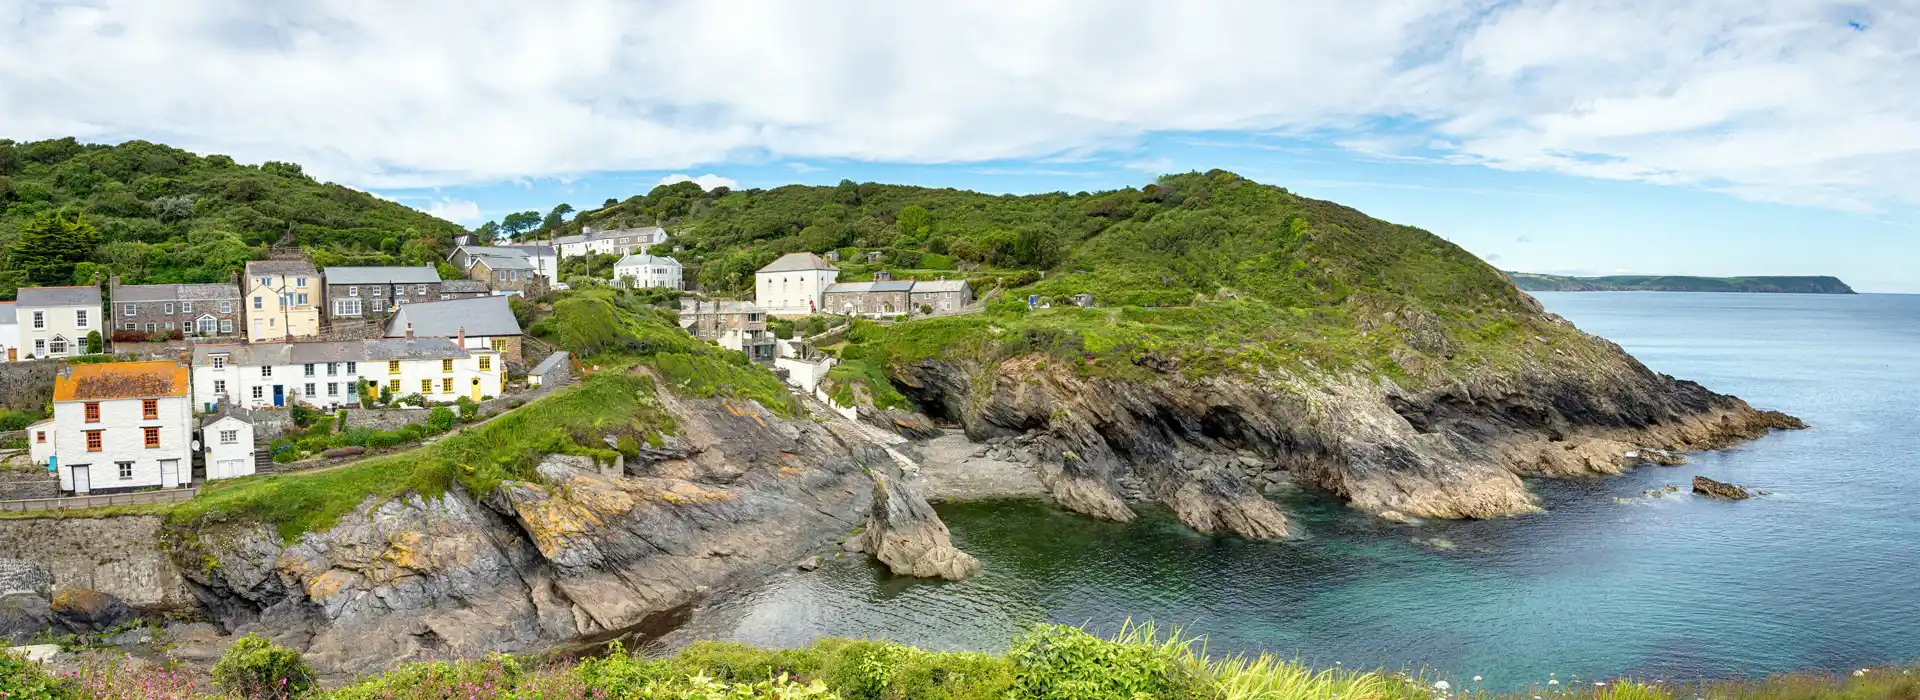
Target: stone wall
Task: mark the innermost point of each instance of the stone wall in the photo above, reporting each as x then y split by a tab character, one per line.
27	385
18	486
117	556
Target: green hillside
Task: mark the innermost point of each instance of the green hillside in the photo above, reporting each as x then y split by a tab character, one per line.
152	213
1679	283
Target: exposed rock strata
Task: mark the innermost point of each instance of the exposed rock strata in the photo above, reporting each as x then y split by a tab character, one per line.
1719	489
904	533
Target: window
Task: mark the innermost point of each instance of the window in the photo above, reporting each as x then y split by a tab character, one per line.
353	291
266	281
80	318
153	436
207	326
256	304
128	309
149	409
333	369
446	365
169	307
167	326
286	298
259	393
219	387
40	347
426	386
58	345
130	326
39	319
353	368
226	306
419	289
333	388
40	436
498	344
218	361
377	291
486	363
310	391
299	281
93	441
151	327
446	385
229	437
393	366
186	307
346	307
126	471
393	385
303	298
93	411
309	369
226	326
266	371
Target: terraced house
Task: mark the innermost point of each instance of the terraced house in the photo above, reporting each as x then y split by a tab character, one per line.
282	301
119	426
373	293
55	321
482	323
205	310
331	374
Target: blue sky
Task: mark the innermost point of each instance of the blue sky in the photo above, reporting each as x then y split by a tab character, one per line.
1706	137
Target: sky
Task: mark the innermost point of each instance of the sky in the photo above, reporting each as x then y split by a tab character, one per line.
1712	137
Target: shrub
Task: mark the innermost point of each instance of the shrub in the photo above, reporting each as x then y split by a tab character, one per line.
20	678
1057	662
94	343
340	420
257	668
440	419
304	416
468	407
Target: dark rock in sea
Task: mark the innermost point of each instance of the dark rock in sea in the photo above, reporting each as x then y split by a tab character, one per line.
1719	489
24	616
82	610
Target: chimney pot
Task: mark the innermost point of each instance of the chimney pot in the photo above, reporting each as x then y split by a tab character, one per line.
409	331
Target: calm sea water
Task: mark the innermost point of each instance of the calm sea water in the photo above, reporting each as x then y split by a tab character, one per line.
1825	573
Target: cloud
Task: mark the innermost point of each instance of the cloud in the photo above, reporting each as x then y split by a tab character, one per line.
1152	166
1801	101
458	211
800	167
706	182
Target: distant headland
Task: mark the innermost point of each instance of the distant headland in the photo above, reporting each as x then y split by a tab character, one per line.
1679	283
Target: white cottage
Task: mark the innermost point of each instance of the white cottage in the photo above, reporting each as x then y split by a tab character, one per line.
122	426
794	285
55	321
642	270
10	332
330	374
227	437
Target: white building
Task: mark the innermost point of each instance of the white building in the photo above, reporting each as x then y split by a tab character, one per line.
623	241
545	260
40	442
485	323
331	374
55	321
794	285
642	270
227	434
282	301
10	332
121	426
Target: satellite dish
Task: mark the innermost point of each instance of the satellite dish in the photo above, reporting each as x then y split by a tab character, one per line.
196	446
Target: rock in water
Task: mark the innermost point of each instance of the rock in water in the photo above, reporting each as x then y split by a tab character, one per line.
904	533
1719	489
82	610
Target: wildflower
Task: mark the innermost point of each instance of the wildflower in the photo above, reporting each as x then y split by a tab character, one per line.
1859	673
1599	685
1551	681
1476	679
1441	685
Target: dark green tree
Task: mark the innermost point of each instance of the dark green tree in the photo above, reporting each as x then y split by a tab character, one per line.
49	246
518	223
915	223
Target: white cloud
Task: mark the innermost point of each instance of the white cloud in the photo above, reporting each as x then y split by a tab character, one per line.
706	182
458	211
1776	100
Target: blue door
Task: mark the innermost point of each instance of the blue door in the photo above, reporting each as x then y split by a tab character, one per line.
279	395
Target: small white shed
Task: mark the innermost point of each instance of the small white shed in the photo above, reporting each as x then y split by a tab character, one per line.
226	436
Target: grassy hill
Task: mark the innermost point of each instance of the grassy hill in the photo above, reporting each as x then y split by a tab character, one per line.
1679	283
160	214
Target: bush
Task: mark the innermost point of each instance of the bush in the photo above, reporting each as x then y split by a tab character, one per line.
20	678
18	420
468	408
1067	663
94	343
440	419
303	416
257	668
340	420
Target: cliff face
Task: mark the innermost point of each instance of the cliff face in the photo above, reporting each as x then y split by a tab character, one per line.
1457	448
581	550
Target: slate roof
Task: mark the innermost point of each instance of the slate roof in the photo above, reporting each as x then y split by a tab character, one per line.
464	286
106	381
531	248
794	262
251	355
504	262
382	275
325	351
856	287
225	410
480	316
638	259
416	348
87	295
175	292
548	364
280	267
937	286
717	306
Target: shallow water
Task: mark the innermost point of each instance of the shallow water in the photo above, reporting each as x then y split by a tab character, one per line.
1825	573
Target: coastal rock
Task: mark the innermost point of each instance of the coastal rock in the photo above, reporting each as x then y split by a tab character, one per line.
904	533
24	616
83	610
1719	489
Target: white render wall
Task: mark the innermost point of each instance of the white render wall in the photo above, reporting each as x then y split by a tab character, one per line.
123	440
241	381
795	293
10	340
653	275
39	451
57	321
226	460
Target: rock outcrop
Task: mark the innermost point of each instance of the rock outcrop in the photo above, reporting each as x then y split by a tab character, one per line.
903	532
83	610
1719	489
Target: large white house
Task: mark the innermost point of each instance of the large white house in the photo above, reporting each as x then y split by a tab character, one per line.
622	241
330	374
484	323
9	332
227	433
121	426
282	301
55	321
794	285
642	270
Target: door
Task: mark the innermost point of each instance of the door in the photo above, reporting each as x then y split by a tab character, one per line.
279	395
13	354
169	473
228	468
82	483
476	388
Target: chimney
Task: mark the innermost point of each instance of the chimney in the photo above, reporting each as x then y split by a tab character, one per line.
409	331
461	339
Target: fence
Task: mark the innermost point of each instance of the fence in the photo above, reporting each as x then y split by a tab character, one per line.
118	499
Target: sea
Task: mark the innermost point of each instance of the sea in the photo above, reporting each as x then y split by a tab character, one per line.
1823	573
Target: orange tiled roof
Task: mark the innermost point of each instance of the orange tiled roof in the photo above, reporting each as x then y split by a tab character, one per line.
121	380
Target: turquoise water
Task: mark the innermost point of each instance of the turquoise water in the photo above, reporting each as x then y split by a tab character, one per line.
1825	573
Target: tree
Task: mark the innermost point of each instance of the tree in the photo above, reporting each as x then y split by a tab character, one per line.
517	223
448	271
94	343
915	223
487	231
50	245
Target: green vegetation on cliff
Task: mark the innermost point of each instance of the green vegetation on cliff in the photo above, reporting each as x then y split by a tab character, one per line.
73	212
1533	282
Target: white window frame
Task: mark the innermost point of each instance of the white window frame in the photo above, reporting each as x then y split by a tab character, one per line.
127	309
226	306
259	393
229	437
186	307
220	387
80	318
217	361
266	371
168	306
